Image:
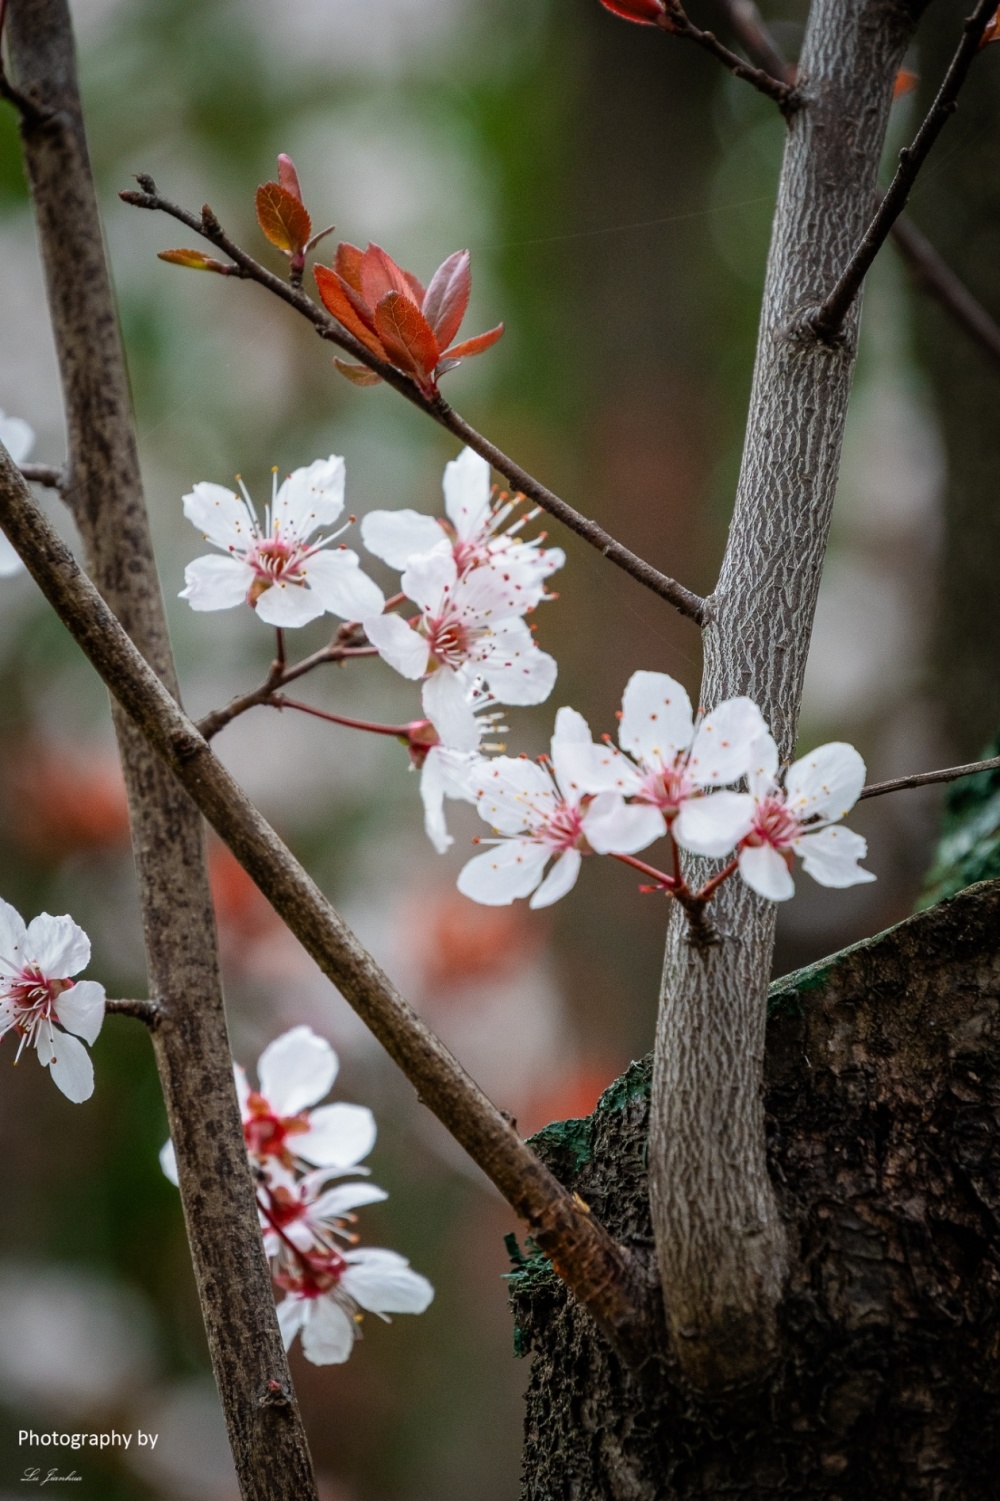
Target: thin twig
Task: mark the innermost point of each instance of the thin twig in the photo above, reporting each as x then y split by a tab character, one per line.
207	225
827	320
678	23
44	474
927	778
280	675
396	731
147	1012
602	1273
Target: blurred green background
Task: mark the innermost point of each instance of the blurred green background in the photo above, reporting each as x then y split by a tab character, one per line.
615	190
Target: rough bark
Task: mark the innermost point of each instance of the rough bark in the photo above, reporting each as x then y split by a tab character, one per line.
720	1243
882	1097
104	488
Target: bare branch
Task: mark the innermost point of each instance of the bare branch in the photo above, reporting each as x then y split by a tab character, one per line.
828	319
44	474
281	675
147	1012
683	600
601	1273
764	79
751	28
928	778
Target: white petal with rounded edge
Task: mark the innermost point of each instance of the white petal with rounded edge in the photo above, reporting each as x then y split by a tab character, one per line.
212	583
338	580
503	872
467	493
335	1202
831	856
384	1282
445	698
12	933
398	536
825	782
339	1135
560	879
289	605
57	945
291	1316
221	515
765	871
168	1162
722	749
430	579
328	1333
397	644
713	824
570	743
511	793
600	767
81	1009
71	1068
517	672
17	436
308	498
613	826
295	1070
763	769
656	718
10	562
445	773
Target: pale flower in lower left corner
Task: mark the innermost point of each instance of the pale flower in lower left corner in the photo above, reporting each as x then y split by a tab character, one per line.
38	999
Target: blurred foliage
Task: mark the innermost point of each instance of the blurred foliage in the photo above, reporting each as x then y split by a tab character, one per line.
969	850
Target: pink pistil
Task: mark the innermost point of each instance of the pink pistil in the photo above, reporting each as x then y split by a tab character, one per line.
448	639
773	824
266	1133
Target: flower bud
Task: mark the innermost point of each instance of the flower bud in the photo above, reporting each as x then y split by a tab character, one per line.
643	12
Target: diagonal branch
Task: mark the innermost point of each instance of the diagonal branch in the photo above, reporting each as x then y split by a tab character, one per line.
602	1273
207	225
828	320
765	79
280	675
928	778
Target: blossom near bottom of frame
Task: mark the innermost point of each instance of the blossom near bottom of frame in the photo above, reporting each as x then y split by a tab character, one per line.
328	1293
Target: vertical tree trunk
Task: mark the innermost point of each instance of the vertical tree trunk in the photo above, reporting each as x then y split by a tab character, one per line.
720	1242
191	1042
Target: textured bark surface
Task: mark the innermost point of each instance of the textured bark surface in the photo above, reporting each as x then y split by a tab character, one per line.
104	490
883	1109
720	1244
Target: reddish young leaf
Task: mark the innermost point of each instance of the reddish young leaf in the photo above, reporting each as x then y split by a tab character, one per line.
992	32
448	296
359	375
416	286
905	82
288	178
473	346
643	12
347	263
407	336
283	218
195	260
339	299
380	275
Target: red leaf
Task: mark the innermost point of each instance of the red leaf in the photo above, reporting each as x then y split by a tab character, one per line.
643	12
448	296
283	218
380	275
905	82
416	287
340	299
992	32
473	346
359	375
347	263
195	260
288	178
408	338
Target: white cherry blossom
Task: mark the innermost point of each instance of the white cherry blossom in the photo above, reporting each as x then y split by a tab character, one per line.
475	531
308	1213
328	1293
286	577
18	437
539	814
799	818
469	625
42	1004
445	769
668	763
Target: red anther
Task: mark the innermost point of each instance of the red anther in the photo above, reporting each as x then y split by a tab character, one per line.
606	737
352	518
618	713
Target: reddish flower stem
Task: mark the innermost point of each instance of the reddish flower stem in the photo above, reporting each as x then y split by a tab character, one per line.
669	883
398	731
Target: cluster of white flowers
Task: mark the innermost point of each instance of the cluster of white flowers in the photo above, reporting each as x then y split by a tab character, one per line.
296	1154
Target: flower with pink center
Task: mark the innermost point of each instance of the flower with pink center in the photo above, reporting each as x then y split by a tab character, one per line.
306	1214
41	1003
328	1292
279	569
18	438
469	625
476	531
541	815
669	763
801	818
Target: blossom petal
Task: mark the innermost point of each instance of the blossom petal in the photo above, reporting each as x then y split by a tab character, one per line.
560	879
396	643
517	672
763	769
722	749
308	498
826	782
333	1203
613	826
831	856
10	560
445	773
467	493
220	515
599	767
285	604
57	945
445	699
430	578
168	1162
398	536
295	1070
71	1068
339	1135
765	871
338	581
656	720
17	436
714	824
384	1282
213	583
291	1316
81	1009
12	934
504	872
328	1333
511	793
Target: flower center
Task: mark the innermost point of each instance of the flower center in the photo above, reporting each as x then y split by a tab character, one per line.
449	640
667	788
266	1133
272	560
32	998
563	828
773	824
315	1273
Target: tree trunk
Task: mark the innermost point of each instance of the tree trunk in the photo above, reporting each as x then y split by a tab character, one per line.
882	1102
